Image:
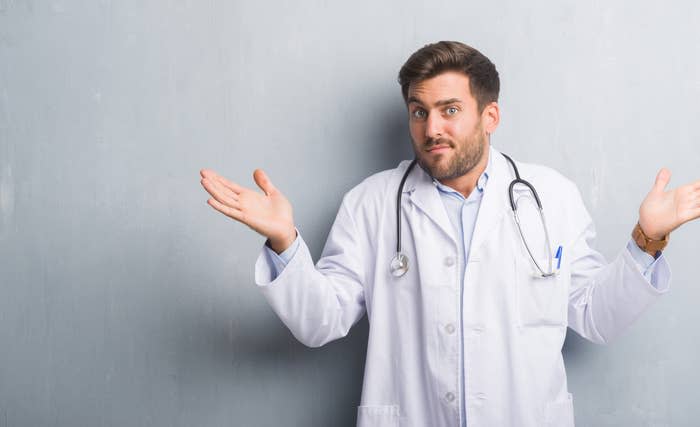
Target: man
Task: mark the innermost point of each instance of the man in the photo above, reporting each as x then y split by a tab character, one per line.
472	333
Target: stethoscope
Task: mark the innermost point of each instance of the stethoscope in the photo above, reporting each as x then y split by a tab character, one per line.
399	264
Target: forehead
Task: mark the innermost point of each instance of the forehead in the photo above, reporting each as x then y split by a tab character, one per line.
447	85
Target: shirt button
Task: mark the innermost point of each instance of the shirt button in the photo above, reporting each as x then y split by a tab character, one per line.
449	396
450	328
449	261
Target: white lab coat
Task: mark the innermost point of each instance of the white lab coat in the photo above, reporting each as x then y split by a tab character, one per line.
513	324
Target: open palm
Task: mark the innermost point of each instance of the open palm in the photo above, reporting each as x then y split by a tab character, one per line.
663	211
270	214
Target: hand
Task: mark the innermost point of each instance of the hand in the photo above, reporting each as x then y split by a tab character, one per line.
269	214
663	211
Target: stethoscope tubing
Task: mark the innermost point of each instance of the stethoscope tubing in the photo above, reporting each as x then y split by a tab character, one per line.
399	264
398	205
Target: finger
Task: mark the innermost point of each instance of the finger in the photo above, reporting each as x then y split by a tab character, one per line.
220	193
222	189
210	174
687	192
230	184
229	211
662	179
263	182
691	187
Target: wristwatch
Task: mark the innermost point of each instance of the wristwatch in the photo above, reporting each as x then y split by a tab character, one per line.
650	246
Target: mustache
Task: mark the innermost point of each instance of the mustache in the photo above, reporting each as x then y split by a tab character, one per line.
431	142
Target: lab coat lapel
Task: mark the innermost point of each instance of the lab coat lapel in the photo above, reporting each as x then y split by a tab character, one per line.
494	203
423	193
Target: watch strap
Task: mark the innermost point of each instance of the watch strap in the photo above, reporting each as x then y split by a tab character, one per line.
650	246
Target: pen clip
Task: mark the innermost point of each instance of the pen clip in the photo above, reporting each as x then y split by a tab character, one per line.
558	256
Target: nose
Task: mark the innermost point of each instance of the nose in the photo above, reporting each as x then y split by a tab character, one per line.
433	126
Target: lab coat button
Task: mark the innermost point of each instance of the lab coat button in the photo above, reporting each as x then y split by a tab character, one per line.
450	328
449	396
449	261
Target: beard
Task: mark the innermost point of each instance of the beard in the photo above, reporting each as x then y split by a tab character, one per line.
465	156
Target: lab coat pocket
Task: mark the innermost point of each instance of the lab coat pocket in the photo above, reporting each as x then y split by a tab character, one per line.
542	301
378	416
560	413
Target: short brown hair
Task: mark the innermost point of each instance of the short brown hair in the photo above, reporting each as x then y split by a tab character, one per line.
437	58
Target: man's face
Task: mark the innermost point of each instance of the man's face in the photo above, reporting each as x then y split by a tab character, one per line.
445	125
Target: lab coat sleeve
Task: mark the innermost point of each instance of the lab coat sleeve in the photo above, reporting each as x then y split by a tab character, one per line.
277	262
605	298
318	303
647	264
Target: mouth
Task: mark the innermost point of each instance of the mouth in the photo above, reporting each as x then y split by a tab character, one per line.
438	149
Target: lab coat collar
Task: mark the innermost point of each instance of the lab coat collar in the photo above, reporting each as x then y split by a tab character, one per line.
424	195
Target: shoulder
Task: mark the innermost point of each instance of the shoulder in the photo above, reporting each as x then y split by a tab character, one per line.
366	204
556	191
549	179
377	187
559	195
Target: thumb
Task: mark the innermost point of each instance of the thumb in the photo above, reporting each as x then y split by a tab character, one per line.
264	182
662	179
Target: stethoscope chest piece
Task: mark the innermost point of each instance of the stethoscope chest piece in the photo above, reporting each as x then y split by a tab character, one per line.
399	265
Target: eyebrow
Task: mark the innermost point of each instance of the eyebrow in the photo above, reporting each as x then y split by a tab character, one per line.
439	103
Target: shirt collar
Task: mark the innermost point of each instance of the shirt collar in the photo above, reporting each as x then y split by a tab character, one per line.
480	183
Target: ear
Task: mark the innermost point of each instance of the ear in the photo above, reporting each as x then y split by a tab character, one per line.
490	117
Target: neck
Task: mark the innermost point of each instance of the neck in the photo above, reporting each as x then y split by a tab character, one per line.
466	183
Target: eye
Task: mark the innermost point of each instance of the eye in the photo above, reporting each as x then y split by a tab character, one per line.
451	111
419	114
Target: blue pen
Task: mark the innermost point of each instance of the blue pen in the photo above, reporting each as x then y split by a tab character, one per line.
558	256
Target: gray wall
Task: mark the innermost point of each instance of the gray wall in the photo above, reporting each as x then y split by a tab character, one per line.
126	301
